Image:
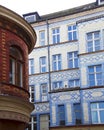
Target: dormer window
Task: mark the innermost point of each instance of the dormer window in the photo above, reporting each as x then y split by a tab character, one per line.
30	18
100	2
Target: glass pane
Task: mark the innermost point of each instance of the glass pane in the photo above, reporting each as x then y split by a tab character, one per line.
97	43
90	49
43	61
91	69
54	66
89	36
70	55
19	74
76	54
99	76
92	83
74	35
42	35
70	64
99	82
98	68
96	35
94	117
59	65
71	83
76	63
77	82
77	110
53	31
74	27
12	71
54	39
58	38
69	28
43	69
101	105
102	116
70	36
15	53
90	44
94	106
91	77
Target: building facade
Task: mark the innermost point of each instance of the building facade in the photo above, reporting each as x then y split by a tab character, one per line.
17	39
66	69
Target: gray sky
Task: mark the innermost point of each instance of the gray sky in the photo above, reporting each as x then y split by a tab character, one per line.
41	6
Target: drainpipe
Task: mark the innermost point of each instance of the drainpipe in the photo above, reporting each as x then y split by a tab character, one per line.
47	24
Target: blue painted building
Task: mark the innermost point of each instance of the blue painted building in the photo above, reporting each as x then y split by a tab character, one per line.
66	69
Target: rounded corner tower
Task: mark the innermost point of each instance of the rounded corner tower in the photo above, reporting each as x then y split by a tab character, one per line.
17	39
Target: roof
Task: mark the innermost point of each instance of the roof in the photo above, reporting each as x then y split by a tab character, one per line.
66	12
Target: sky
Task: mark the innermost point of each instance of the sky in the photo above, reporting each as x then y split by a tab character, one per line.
41	6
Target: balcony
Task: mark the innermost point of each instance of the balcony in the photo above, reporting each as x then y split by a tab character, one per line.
13	90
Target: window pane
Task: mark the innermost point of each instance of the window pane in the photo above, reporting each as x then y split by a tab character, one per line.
102	116
94	117
89	36
96	35
70	36
101	105
93	105
19	74
74	35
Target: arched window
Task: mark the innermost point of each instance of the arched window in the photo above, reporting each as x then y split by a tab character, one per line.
16	66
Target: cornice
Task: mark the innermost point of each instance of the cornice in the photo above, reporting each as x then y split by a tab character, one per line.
11	21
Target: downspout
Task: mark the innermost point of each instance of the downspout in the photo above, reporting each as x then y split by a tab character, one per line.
47	24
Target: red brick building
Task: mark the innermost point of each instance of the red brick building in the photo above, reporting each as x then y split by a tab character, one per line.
17	39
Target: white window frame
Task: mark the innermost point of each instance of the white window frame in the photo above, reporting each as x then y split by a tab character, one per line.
31	66
42	65
56	35
57	60
93	41
32	93
98	112
73	58
42	39
72	31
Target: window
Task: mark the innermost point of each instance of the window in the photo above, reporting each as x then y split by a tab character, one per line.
42	64
93	41
42	38
56	62
95	75
77	113
44	88
74	83
73	59
61	114
30	18
33	123
72	33
31	66
56	35
100	2
32	93
44	122
44	92
57	85
16	67
97	112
